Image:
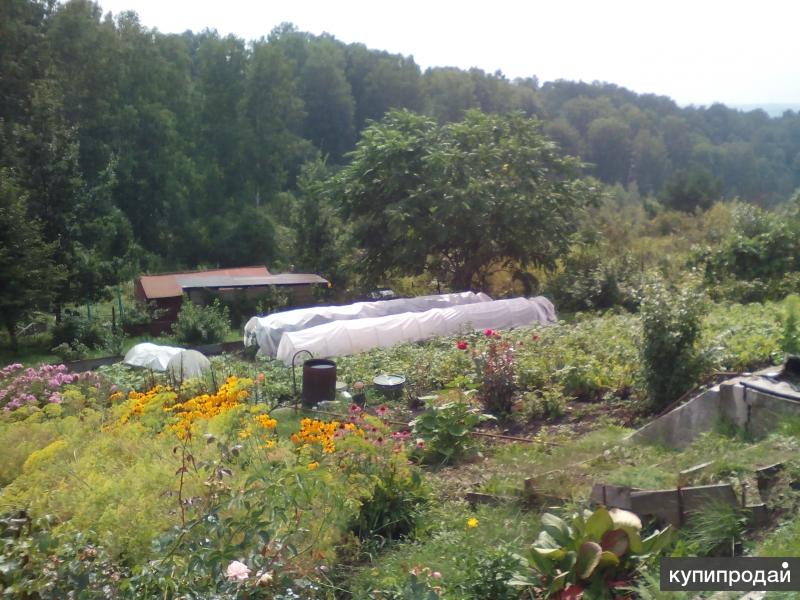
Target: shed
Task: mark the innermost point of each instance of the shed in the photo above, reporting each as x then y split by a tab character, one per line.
166	290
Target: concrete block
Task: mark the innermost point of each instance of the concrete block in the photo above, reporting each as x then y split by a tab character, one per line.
679	428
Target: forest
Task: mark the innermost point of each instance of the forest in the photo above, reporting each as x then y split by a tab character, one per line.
127	150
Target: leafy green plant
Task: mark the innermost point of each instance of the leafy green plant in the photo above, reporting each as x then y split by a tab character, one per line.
671	323
445	432
391	509
488	572
547	403
790	336
595	551
201	324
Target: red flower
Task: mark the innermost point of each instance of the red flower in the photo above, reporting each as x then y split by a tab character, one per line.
462	345
535	338
488	332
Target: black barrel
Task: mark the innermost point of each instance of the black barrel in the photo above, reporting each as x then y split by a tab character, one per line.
319	381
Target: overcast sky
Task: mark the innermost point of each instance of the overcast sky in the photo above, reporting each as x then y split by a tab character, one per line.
695	51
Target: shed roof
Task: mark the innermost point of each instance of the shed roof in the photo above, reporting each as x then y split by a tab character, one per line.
173	284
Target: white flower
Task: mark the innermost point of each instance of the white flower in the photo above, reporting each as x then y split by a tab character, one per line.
237	571
265	578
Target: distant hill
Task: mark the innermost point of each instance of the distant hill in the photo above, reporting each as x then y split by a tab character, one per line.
773	110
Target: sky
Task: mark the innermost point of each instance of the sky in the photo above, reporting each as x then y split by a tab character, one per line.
697	52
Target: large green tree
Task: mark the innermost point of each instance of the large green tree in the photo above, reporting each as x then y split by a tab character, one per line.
28	274
456	200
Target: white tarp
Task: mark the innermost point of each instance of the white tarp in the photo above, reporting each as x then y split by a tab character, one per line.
267	331
340	338
151	356
188	364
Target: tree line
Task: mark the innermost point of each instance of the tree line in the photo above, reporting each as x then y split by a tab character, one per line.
127	149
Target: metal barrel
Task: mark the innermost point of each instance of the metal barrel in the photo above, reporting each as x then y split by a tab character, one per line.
319	381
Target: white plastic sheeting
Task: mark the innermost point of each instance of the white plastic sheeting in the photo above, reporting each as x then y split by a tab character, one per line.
151	356
188	364
267	331
341	338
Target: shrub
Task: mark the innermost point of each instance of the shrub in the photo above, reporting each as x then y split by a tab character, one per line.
591	281
201	324
671	323
445	432
790	336
547	403
498	378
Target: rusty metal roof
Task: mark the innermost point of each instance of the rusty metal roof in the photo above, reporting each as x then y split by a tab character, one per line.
173	284
167	285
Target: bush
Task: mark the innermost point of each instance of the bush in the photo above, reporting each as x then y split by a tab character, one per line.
590	281
498	378
790	337
201	324
445	432
671	324
76	331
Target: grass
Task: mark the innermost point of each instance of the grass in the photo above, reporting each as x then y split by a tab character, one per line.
442	542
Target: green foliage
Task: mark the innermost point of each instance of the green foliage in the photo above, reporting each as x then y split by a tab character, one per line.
390	512
75	329
547	403
688	191
487	574
430	202
595	551
790	338
757	259
28	275
445	431
713	530
589	280
201	324
671	324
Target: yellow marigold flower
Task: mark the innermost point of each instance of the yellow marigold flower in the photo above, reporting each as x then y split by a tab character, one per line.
244	434
266	421
472	522
268	444
312	465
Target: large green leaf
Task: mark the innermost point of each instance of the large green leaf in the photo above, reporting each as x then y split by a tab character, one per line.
557	528
588	558
598	524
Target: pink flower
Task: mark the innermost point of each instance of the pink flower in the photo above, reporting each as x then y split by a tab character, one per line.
382	410
462	345
420	443
237	571
355	409
436	575
488	332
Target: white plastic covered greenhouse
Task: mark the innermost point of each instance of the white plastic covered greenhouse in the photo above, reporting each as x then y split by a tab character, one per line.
267	331
341	338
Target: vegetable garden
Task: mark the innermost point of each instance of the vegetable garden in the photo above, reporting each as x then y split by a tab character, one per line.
117	484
